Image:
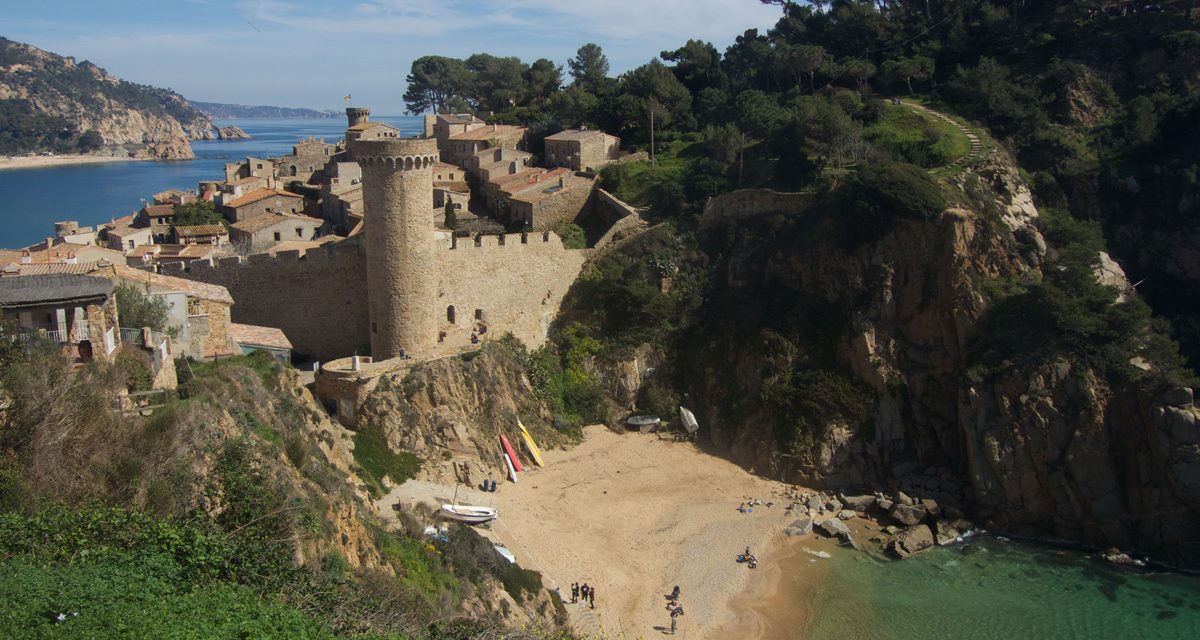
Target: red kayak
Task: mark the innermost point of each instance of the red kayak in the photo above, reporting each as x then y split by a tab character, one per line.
512	455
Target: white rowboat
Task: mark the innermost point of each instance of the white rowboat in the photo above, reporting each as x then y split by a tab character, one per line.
469	514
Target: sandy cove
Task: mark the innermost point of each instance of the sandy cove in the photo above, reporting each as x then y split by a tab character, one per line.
634	515
41	162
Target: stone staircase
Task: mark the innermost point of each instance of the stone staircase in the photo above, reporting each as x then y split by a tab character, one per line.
584	620
976	145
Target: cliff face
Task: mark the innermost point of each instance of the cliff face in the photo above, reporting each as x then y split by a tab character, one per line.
860	369
131	120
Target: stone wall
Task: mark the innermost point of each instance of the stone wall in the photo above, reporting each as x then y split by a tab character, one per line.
516	286
754	202
544	211
318	299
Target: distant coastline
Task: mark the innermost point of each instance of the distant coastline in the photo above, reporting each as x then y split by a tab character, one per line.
42	162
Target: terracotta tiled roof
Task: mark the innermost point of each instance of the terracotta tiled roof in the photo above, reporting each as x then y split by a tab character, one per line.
159	210
550	190
528	181
523	174
258	223
159	283
249	335
259	194
246	180
488	132
63	251
458	118
198	230
81	268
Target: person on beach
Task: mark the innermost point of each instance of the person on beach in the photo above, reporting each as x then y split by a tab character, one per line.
584	591
674	595
592	597
574	592
675	613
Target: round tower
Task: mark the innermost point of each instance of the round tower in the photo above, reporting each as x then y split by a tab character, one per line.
400	222
357	115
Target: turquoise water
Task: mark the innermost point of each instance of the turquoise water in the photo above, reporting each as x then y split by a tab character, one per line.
996	589
34	199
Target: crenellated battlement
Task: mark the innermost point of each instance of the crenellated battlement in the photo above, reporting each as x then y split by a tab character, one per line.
398	163
514	241
313	257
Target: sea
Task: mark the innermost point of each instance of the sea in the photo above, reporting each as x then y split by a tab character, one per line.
994	589
32	200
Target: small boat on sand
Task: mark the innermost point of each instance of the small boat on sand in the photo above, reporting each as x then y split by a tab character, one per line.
469	514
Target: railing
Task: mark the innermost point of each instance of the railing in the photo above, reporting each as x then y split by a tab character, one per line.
53	336
134	337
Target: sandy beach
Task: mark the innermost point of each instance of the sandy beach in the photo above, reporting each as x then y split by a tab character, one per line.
634	515
40	162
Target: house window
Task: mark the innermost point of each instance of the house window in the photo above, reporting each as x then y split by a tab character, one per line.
276	236
374	328
479	314
131	244
299	232
450	314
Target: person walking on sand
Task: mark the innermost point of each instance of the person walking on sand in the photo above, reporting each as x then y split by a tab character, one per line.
574	592
592	597
584	592
675	613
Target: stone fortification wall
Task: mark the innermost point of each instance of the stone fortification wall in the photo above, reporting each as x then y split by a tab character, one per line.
515	287
754	202
397	183
318	299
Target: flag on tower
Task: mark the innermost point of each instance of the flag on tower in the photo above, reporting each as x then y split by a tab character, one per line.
347	98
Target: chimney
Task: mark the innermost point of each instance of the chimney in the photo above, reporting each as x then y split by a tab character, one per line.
26	258
71	259
562	182
493	127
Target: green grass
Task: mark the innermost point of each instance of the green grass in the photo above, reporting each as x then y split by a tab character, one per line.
125	595
914	137
636	182
378	461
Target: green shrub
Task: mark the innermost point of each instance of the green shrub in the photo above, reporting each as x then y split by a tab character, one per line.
378	461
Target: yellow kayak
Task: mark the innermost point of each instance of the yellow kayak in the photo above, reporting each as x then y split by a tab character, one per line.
533	448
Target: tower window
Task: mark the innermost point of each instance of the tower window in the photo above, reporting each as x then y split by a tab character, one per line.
479	314
450	314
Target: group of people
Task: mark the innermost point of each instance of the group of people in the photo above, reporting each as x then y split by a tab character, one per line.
675	608
588	594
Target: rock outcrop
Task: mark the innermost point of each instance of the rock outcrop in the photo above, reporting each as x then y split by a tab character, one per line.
232	133
880	338
131	120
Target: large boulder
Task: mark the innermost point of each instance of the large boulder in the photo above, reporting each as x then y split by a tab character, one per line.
950	531
799	527
913	540
832	528
907	515
859	503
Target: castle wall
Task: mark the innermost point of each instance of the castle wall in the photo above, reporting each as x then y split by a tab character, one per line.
754	202
517	287
319	299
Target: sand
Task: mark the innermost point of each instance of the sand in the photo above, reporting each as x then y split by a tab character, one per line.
635	515
39	162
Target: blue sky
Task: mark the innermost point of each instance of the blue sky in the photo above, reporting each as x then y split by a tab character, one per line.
310	53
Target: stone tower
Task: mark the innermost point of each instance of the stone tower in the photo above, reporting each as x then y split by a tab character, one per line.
357	115
400	223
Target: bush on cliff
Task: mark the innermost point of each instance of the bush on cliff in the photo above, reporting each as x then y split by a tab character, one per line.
867	202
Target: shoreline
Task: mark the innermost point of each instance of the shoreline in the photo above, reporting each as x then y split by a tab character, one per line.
43	162
633	515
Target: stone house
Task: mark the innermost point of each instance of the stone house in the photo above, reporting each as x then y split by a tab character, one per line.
449	182
70	231
127	238
493	163
307	158
261	202
581	149
371	131
443	125
263	168
214	234
198	314
542	206
458	148
501	190
260	232
74	311
159	218
493	196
